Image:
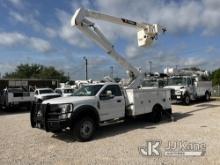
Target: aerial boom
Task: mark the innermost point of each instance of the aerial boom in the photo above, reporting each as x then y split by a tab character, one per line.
146	33
109	18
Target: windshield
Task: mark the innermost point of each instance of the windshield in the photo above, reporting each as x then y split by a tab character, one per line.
44	91
177	81
149	83
68	91
90	90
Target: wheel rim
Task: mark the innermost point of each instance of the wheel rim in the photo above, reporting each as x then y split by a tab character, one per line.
86	129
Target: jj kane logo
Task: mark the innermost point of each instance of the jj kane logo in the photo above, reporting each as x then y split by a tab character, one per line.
173	148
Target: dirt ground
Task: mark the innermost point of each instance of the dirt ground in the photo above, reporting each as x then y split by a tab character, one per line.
117	144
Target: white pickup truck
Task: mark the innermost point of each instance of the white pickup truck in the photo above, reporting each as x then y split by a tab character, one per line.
97	105
64	92
41	94
188	88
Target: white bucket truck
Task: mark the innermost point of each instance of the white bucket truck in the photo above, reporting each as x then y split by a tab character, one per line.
188	85
100	104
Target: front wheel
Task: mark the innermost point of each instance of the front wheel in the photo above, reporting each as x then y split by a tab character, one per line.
186	100
85	129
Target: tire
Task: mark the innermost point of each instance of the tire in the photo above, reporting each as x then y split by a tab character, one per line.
186	100
156	116
207	96
84	129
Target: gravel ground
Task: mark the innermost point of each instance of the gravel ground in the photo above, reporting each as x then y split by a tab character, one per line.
117	144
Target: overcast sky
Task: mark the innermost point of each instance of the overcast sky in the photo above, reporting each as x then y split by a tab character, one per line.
39	32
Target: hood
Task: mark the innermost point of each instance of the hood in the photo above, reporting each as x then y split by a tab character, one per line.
49	94
175	87
67	94
70	99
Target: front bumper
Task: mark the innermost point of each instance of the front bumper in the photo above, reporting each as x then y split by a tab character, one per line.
176	96
48	117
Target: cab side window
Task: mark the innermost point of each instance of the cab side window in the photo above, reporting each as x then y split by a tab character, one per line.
189	82
115	89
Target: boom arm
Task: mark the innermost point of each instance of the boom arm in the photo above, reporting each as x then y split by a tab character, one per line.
146	34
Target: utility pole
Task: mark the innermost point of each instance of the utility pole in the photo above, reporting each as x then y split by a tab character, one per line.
146	66
86	62
68	76
111	71
150	63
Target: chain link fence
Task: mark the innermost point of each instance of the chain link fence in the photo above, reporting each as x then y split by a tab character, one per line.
216	91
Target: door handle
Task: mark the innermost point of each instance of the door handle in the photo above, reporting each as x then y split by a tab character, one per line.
118	101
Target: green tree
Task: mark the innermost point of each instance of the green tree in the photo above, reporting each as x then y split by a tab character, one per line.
36	71
216	77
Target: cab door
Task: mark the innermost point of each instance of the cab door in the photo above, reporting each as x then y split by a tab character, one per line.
112	103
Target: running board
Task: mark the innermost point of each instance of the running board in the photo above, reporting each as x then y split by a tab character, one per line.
110	122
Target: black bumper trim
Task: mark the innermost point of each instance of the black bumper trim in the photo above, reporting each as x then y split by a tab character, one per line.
43	117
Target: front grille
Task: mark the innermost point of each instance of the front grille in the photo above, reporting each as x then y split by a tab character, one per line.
53	112
48	117
46	113
172	92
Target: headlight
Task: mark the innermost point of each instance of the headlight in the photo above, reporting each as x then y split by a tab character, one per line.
66	108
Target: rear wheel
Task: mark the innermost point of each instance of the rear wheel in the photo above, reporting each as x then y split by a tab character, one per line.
156	116
207	96
84	129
